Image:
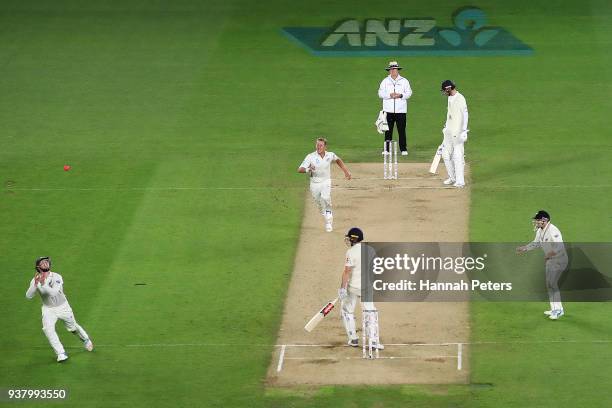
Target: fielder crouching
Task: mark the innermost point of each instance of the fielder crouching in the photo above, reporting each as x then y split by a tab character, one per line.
350	293
55	306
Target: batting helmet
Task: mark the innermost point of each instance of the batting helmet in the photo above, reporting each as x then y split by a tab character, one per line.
447	84
354	235
39	260
541	215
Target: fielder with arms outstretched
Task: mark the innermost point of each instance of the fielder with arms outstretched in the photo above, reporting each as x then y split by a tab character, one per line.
548	237
350	291
318	165
55	306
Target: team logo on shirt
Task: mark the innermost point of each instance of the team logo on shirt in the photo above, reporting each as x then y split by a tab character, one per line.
470	35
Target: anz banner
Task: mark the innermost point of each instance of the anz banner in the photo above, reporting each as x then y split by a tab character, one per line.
470	36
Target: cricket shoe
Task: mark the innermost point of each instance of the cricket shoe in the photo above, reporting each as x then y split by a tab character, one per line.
353	342
556	314
62	357
457	185
328	228
404	152
449	181
378	346
88	344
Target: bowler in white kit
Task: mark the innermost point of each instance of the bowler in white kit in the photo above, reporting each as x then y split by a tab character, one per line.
548	237
50	287
455	135
318	166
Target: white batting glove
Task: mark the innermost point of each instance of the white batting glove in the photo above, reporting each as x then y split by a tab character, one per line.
342	293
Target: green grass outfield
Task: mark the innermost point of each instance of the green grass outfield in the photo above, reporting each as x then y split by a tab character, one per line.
184	122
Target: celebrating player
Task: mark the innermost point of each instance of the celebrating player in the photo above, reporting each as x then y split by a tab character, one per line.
455	135
318	165
55	306
350	292
548	237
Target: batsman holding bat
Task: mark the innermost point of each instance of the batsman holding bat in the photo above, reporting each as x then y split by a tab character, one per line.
55	306
350	293
455	135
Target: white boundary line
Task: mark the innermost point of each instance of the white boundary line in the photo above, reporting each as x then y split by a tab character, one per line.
279	367
459	355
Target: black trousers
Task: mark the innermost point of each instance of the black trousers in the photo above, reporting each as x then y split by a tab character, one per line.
400	119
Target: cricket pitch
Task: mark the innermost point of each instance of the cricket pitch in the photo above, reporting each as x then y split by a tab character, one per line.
425	342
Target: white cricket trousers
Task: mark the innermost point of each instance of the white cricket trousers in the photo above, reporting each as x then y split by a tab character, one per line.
347	311
50	315
554	269
454	160
321	192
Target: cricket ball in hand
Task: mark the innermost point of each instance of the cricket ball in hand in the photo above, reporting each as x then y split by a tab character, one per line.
67	167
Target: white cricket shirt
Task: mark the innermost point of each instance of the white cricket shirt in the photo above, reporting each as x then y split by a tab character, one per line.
549	239
456	117
322	166
353	261
51	290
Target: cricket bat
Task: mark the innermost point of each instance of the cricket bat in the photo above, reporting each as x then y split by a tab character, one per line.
316	319
436	161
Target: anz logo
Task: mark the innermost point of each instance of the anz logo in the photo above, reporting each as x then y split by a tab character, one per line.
470	35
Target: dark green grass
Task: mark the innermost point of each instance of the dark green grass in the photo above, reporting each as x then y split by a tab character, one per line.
147	99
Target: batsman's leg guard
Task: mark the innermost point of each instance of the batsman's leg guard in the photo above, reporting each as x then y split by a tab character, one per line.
348	319
347	313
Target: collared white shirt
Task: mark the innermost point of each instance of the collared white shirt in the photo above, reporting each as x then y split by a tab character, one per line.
398	85
322	165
